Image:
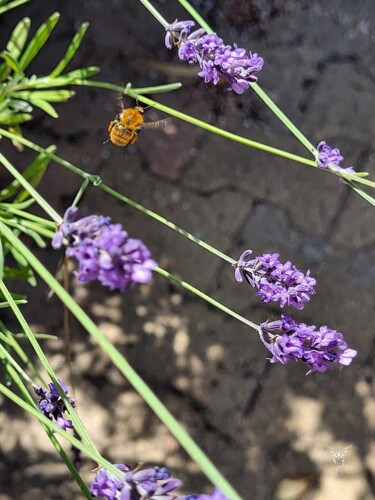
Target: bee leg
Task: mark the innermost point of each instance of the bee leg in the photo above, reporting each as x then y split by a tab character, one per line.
105	142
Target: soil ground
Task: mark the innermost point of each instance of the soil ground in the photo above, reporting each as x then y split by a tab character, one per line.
271	430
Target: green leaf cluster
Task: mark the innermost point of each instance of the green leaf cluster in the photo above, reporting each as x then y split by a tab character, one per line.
20	93
15	202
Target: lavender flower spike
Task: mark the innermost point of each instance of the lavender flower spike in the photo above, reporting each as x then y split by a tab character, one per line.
52	406
147	484
331	157
104	251
276	282
215	59
288	341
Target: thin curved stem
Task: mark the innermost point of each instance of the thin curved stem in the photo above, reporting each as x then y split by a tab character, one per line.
206	297
154	12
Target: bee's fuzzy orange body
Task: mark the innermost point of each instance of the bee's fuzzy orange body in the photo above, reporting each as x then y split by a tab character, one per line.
125	128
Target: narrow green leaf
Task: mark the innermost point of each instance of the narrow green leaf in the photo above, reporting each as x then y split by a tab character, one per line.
38	40
33	173
3	91
72	49
14	273
46	95
22	106
158	89
12	62
4	305
17	297
7	118
1	260
16	129
12	5
73	77
18	257
18	38
10	207
4	104
44	106
41	336
80	74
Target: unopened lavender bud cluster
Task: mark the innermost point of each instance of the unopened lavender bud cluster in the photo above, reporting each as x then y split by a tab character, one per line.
215	59
137	484
52	406
104	251
276	282
288	341
331	157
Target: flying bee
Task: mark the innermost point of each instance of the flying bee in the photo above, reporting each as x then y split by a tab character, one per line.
124	129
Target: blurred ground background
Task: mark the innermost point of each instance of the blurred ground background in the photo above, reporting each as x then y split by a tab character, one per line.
266	427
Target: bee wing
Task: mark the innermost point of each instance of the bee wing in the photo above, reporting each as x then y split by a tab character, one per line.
160	124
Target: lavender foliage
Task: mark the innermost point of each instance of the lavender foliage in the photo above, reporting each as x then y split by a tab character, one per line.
276	282
104	251
52	406
320	349
215	59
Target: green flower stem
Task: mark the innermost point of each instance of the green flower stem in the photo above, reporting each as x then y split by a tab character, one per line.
154	12
166	222
221	132
116	194
78	426
207	298
282	117
128	90
35	412
195	15
39	199
126	369
257	89
80	192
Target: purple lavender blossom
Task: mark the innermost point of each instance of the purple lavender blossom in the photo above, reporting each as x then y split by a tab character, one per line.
288	341
147	484
331	157
276	282
104	251
52	406
215	58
